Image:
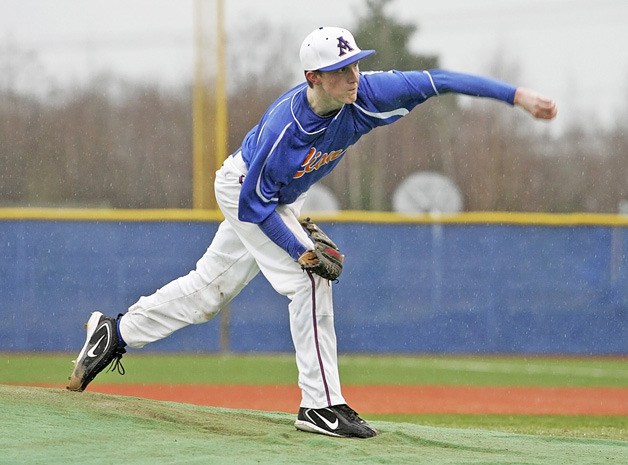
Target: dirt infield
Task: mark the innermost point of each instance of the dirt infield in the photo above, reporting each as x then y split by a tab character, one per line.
396	399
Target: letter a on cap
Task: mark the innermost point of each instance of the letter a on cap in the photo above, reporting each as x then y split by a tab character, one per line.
344	46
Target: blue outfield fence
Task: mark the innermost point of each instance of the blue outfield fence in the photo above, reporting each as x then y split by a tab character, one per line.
464	286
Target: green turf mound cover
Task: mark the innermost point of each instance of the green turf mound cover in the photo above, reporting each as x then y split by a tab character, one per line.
55	426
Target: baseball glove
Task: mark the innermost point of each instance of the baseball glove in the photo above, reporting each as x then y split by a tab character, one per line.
325	260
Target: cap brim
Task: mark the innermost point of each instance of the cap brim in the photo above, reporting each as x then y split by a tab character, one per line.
348	61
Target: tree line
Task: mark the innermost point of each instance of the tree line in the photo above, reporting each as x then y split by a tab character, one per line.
119	144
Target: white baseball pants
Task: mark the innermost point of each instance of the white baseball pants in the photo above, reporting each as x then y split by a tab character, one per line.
237	253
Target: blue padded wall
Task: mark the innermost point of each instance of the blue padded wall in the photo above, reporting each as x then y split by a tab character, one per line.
406	288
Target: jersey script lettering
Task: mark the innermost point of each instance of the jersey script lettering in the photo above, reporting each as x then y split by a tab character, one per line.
315	160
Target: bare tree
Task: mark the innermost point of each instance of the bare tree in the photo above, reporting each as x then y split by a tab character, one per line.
127	145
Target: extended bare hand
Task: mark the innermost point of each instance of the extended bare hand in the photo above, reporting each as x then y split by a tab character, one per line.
534	103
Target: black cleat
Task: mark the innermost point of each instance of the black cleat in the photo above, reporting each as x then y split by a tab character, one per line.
101	349
339	420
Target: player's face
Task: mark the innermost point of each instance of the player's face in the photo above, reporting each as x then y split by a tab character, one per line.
342	85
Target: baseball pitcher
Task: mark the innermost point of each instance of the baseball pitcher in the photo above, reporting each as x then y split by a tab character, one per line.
260	189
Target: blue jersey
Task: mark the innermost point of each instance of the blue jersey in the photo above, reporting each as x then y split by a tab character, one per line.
292	147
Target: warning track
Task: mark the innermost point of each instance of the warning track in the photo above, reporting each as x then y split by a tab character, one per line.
395	399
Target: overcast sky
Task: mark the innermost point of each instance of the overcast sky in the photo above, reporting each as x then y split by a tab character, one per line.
573	50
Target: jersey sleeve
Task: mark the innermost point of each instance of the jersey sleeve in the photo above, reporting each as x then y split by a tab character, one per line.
271	168
472	85
274	227
398	91
394	93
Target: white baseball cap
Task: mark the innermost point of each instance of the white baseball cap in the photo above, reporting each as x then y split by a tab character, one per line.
329	49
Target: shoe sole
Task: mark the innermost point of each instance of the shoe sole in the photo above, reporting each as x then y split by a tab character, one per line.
308	427
76	378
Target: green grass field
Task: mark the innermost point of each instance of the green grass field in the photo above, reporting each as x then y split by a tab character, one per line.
55	426
354	369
